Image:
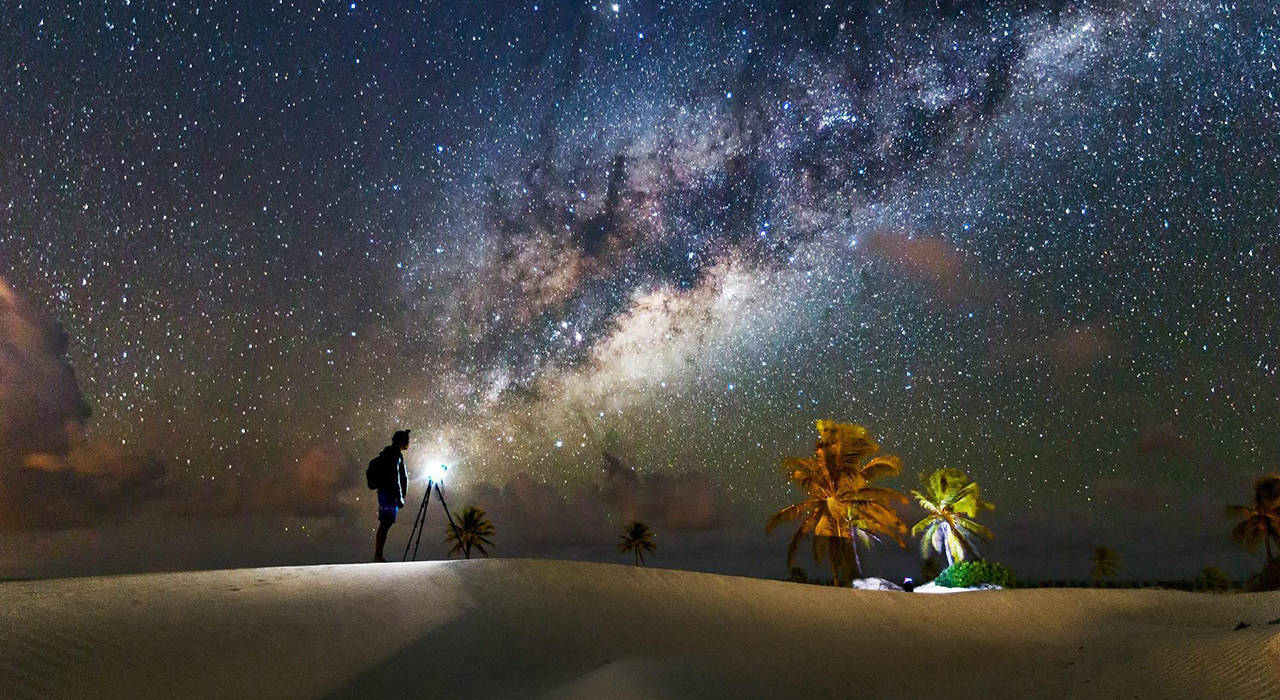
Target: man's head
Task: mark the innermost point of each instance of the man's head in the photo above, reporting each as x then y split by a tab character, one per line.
400	439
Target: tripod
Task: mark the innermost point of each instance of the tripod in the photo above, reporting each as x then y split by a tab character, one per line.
419	522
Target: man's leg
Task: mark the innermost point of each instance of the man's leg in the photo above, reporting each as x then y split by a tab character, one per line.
383	527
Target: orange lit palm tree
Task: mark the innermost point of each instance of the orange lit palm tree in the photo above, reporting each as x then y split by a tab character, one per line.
1260	521
951	500
842	509
637	538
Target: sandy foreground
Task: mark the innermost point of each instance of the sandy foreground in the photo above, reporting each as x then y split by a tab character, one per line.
542	629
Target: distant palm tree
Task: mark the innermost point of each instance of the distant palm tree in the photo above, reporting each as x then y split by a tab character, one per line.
1106	564
1211	579
951	500
637	538
841	509
1261	519
473	532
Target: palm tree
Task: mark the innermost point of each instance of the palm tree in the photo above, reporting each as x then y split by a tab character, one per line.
1260	520
1105	564
637	538
473	532
929	569
841	509
1211	579
951	500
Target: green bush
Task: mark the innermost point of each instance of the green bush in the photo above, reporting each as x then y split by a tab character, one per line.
967	574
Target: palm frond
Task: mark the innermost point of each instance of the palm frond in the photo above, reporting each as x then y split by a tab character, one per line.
881	467
788	514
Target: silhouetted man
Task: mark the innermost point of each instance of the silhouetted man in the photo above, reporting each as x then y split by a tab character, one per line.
393	487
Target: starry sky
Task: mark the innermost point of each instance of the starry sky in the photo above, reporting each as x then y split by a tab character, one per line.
241	243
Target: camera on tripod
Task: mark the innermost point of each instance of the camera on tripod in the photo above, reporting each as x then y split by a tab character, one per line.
435	478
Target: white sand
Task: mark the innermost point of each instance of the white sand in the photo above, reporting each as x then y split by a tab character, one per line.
540	629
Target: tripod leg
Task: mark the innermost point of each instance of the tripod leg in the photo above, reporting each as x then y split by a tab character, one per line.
426	500
418	520
466	551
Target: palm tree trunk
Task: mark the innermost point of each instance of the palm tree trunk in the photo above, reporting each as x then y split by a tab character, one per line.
1268	541
857	561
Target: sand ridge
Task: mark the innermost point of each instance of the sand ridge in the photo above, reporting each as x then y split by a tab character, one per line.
509	628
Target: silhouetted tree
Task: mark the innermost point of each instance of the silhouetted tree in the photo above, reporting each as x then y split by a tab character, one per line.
1211	580
841	508
1106	564
474	531
1260	521
929	569
637	538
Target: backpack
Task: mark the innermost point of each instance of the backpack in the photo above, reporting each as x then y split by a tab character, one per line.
375	474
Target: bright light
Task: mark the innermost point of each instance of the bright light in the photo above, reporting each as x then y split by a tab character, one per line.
434	471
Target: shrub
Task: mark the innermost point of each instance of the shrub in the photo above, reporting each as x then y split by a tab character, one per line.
968	574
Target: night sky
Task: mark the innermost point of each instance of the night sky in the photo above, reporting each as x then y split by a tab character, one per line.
241	243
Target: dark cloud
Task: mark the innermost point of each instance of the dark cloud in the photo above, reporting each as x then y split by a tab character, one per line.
88	484
949	278
54	477
40	401
1163	439
672	501
533	512
1079	347
48	477
313	485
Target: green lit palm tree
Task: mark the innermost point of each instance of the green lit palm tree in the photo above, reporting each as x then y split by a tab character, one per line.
951	501
841	509
473	532
1259	521
1106	564
637	538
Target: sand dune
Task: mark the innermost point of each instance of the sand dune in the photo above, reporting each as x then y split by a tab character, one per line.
541	629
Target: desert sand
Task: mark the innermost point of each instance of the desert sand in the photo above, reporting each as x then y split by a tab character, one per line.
543	629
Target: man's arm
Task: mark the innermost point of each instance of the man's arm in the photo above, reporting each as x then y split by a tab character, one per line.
404	480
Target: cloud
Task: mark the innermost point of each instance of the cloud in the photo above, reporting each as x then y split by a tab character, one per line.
52	476
933	262
313	485
528	511
1066	350
48	477
40	400
531	512
1078	347
686	501
1163	439
87	484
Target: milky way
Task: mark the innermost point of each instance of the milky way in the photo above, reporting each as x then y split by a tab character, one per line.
1036	241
